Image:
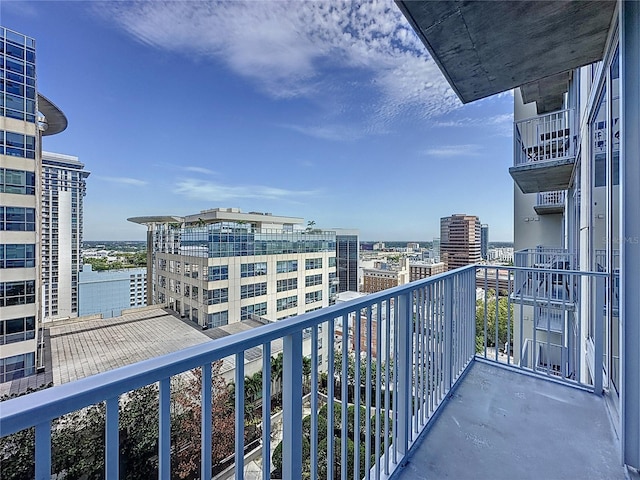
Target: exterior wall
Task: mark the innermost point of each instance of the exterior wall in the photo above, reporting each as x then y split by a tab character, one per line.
19	157
111	291
376	280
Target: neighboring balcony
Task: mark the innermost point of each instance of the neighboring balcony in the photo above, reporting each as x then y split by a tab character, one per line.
436	353
549	203
544	152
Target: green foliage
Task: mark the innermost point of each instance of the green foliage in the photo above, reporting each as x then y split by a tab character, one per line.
503	318
125	260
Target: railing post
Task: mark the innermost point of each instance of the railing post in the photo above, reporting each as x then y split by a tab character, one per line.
292	407
404	368
598	335
43	451
448	330
205	421
112	440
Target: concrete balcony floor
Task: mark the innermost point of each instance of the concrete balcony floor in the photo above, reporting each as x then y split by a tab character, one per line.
500	424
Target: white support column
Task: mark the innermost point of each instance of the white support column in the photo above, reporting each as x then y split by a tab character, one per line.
630	229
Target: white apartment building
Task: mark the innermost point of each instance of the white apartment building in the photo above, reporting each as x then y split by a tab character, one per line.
63	190
25	116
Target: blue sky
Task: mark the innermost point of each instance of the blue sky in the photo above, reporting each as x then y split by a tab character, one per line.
328	111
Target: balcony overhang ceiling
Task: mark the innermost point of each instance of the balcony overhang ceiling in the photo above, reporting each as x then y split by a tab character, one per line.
54	120
484	48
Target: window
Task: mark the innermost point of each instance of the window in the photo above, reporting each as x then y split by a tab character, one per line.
286	266
18	219
218	273
312	263
218	295
17	293
311	280
17	144
17	181
258	309
253	269
194	293
17	366
253	290
313	297
17	256
287	284
286	303
332	262
17	330
218	319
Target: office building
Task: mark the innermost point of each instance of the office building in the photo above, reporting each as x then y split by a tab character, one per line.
25	116
221	266
63	191
378	279
459	240
420	270
347	256
109	292
484	240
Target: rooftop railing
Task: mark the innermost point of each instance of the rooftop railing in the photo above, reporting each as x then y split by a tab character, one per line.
353	411
544	137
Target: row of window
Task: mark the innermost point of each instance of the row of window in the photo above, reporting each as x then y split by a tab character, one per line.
311	280
217	296
253	290
218	319
253	269
287	284
17	366
17	144
259	309
17	255
17	293
18	219
17	330
218	273
312	263
17	181
286	266
313	297
286	303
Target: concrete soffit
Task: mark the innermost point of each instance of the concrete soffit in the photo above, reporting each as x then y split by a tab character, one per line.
536	41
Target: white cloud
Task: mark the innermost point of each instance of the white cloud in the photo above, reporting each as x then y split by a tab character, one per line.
202	170
202	190
454	151
123	181
298	49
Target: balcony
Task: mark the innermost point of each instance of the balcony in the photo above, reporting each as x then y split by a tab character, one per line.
544	152
549	203
438	383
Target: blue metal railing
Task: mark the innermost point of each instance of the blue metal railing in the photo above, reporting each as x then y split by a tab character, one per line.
387	364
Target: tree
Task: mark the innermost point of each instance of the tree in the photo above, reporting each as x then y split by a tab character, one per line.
503	318
189	414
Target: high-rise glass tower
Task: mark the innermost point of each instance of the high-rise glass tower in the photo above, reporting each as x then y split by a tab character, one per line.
63	189
484	240
347	253
25	116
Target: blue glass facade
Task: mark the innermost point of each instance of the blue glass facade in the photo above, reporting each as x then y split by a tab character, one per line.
17	76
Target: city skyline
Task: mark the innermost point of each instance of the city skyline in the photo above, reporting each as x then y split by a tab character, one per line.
278	111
